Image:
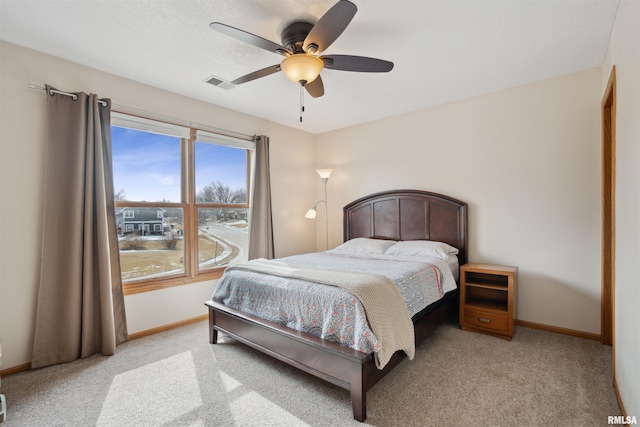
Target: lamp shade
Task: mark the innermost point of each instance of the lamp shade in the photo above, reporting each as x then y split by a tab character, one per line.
324	173
311	214
302	67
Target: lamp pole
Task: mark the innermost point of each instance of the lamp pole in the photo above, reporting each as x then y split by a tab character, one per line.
311	213
326	213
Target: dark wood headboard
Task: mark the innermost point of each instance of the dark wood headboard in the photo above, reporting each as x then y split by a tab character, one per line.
409	215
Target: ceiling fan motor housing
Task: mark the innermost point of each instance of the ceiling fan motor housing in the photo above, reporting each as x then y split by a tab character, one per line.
294	34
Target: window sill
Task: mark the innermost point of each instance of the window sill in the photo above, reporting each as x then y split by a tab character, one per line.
154	285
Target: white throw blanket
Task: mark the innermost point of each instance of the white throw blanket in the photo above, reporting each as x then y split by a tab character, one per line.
385	308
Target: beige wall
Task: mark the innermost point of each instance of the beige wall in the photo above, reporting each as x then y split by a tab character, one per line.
527	160
22	139
624	53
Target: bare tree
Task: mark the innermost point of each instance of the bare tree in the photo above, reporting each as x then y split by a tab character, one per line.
217	192
120	195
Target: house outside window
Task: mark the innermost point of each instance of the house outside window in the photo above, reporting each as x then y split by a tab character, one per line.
182	210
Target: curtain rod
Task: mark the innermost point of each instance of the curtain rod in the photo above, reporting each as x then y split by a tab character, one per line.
72	95
149	115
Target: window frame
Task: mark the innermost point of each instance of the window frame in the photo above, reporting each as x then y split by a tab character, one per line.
192	273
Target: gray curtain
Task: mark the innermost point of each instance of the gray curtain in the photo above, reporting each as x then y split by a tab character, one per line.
260	222
80	301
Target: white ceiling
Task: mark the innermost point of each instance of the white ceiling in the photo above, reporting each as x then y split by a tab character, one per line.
443	50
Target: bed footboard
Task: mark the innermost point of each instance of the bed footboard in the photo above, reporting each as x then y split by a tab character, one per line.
339	365
347	368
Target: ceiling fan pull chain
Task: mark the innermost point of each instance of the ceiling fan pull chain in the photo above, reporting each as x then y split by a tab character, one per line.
301	100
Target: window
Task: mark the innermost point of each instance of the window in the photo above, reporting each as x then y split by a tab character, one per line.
181	194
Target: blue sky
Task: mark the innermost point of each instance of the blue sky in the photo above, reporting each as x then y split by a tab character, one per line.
147	166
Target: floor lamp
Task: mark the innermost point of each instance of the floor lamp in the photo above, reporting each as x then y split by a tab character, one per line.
311	213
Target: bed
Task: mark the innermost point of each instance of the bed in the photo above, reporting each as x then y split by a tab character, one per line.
403	215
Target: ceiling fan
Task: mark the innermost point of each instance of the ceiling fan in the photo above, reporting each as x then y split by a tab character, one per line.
301	42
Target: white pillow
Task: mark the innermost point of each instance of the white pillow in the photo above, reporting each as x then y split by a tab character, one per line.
363	245
427	248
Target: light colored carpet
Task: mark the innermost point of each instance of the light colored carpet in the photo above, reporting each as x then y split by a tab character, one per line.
458	378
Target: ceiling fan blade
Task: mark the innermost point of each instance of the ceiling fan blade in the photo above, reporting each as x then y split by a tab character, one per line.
315	88
330	26
356	63
252	39
257	74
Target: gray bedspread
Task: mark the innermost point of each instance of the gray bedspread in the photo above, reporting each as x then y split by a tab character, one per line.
331	312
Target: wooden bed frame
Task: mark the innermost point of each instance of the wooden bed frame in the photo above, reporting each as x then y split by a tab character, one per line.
397	215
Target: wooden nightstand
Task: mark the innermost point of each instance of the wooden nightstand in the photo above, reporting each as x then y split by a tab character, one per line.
487	298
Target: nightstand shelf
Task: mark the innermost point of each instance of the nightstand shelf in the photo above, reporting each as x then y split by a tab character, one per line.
487	298
486	305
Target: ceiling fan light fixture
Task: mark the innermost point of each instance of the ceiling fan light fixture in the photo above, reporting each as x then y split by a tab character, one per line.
302	67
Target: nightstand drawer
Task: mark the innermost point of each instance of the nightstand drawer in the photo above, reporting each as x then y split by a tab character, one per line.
486	320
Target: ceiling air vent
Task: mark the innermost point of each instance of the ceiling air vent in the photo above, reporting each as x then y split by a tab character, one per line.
221	83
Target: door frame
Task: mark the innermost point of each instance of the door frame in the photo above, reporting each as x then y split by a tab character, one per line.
608	113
